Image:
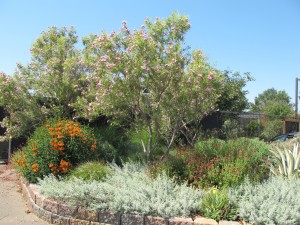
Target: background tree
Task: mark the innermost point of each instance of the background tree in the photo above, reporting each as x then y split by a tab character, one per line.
149	78
275	105
55	74
48	85
233	96
19	106
270	96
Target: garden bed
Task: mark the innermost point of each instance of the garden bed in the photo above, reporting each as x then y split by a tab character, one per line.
60	213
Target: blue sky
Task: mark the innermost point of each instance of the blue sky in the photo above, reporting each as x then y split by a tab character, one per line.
257	36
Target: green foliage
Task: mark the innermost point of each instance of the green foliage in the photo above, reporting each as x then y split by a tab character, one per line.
216	205
117	144
275	105
272	128
173	166
275	201
277	109
90	171
225	163
54	148
231	129
127	190
253	129
233	97
270	96
111	143
286	162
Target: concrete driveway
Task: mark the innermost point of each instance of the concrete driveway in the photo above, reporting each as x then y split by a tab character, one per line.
13	208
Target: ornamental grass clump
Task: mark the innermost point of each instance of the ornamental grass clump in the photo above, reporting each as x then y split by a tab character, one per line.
216	205
128	189
54	148
275	201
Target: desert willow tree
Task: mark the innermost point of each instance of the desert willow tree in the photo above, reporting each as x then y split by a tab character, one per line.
48	85
150	78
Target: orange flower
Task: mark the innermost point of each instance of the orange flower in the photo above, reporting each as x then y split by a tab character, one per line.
34	149
51	128
35	167
60	144
94	145
35	154
64	165
58	129
51	165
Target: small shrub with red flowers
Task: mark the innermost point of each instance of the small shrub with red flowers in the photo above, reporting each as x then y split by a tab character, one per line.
54	148
219	163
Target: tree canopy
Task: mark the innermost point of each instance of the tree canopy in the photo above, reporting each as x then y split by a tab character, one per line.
270	97
149	77
233	96
275	105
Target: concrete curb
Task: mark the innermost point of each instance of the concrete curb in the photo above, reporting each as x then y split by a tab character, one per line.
57	213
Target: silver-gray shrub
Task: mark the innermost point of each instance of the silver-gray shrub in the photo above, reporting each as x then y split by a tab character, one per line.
88	194
129	190
277	201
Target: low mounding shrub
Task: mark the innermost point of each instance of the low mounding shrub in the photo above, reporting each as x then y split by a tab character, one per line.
274	202
128	190
172	166
54	148
222	163
90	171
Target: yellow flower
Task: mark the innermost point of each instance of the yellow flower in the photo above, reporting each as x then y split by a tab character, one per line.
214	191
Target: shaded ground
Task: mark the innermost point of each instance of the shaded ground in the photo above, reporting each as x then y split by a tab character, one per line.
13	208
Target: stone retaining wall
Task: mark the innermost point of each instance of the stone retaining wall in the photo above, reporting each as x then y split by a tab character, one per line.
57	213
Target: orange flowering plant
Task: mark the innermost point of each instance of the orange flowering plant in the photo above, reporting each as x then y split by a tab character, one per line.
54	148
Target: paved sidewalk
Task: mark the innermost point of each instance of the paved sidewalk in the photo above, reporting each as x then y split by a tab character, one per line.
13	208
